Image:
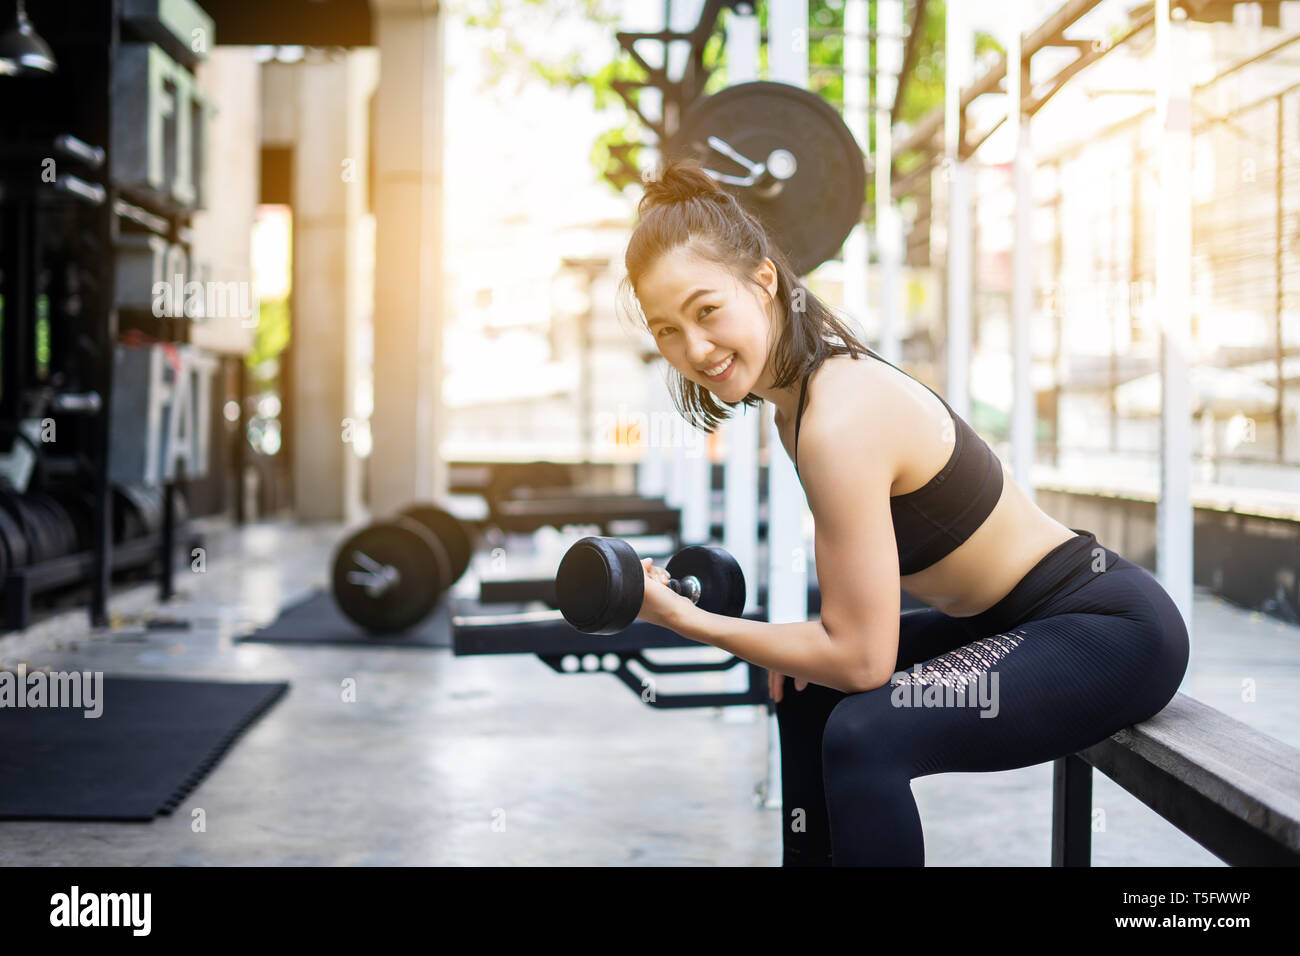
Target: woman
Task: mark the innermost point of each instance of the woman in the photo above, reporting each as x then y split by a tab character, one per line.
1038	641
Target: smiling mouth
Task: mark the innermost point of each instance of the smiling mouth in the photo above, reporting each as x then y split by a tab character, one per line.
720	370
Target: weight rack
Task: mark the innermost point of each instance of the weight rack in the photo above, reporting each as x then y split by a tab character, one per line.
551	638
58	240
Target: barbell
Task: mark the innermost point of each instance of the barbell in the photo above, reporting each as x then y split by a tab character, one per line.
789	158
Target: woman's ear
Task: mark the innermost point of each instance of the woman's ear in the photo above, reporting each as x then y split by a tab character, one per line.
770	279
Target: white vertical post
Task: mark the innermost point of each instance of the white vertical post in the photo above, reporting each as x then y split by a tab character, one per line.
958	54
405	463
787	42
1173	297
652	475
1024	409
787	573
787	568
742	44
889	237
697	484
857	83
687	466
740	502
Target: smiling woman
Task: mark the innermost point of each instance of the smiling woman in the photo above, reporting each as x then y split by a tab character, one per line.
720	299
1050	632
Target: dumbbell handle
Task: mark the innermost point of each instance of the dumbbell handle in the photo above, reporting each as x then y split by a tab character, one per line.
688	587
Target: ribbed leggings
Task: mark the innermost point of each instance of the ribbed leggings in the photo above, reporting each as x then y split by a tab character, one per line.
1085	644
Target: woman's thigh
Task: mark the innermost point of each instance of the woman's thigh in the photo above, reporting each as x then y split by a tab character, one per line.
927	633
1046	688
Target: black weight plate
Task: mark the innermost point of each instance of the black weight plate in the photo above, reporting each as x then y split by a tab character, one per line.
600	585
68	528
45	525
48	526
12	540
722	582
130	520
388	576
126	515
450	530
59	527
32	530
817	207
151	507
80	507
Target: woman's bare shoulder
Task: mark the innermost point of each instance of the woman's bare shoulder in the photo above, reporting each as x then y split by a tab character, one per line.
852	406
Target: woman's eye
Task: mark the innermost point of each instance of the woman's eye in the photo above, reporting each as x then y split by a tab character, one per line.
705	309
661	332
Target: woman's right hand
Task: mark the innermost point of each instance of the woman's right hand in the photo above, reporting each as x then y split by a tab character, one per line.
775	682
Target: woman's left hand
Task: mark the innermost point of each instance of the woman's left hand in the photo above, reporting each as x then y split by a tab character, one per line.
661	602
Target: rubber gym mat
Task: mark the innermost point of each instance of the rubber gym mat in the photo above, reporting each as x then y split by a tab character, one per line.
317	620
152	744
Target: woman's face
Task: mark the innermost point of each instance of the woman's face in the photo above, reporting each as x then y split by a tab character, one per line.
712	329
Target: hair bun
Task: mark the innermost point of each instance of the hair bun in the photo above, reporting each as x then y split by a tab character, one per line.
679	181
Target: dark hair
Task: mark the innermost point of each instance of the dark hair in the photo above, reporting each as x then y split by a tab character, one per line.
684	205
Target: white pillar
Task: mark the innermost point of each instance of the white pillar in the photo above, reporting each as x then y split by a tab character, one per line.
787	566
652	474
742	45
1173	298
405	462
787	41
693	468
889	233
787	573
857	89
697	482
1024	409
958	52
740	502
330	99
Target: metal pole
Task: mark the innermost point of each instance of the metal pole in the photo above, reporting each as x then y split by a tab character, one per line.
740	505
1279	410
889	238
1024	413
1173	284
857	111
958	56
787	567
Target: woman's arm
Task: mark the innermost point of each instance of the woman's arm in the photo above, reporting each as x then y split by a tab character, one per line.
803	650
848	470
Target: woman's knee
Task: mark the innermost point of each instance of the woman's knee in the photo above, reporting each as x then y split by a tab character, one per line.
860	730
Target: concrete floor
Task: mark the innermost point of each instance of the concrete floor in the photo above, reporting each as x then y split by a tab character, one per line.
500	761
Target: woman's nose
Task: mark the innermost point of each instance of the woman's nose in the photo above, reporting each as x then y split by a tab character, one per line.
698	350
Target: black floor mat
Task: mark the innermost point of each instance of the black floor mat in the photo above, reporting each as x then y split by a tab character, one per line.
152	744
317	620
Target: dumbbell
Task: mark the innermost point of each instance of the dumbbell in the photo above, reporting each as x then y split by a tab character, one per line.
388	576
600	583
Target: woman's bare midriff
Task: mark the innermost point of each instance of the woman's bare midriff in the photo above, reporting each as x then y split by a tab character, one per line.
986	566
1015	536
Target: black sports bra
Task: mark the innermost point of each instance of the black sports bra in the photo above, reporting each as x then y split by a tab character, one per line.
930	522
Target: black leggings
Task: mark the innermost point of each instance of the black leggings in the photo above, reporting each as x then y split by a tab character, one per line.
1085	644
